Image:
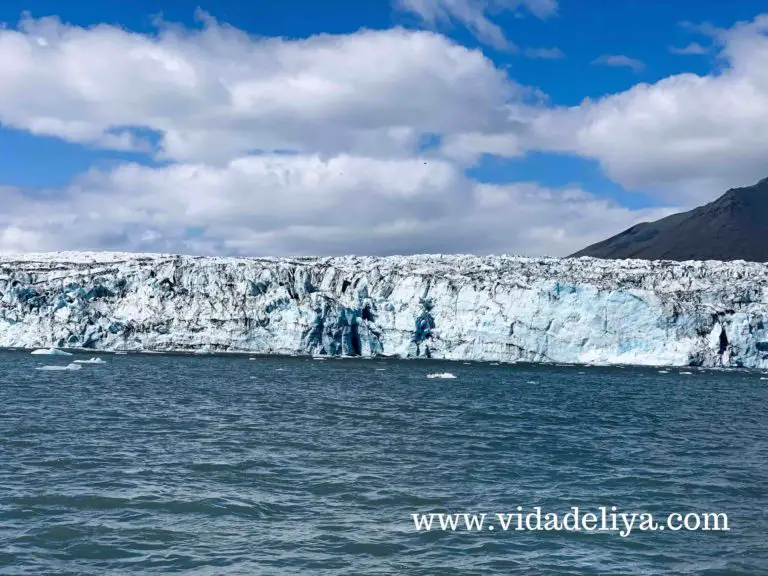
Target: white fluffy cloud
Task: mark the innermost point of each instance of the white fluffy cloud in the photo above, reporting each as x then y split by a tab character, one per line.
216	93
351	110
303	204
687	137
276	146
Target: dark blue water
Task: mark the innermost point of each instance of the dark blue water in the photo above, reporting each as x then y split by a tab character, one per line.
221	465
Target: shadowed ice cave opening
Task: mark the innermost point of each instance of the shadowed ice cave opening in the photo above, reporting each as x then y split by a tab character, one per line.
342	332
425	324
723	343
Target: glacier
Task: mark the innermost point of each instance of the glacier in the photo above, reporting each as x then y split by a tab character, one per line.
494	308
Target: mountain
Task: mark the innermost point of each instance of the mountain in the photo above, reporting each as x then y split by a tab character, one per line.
733	227
495	308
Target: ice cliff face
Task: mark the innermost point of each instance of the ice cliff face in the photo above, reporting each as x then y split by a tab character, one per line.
454	307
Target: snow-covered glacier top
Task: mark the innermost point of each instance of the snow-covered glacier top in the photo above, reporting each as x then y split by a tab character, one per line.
500	308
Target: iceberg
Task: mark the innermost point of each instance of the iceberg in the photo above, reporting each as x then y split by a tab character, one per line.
67	367
90	361
495	308
50	352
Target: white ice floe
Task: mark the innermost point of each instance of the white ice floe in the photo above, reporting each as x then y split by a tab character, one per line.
90	361
50	352
71	366
445	375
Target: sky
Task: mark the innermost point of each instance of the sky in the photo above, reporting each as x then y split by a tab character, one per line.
531	127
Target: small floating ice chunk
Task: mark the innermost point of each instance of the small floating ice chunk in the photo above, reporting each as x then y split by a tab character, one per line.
380	369
51	352
71	366
121	353
445	375
685	372
90	361
494	363
663	371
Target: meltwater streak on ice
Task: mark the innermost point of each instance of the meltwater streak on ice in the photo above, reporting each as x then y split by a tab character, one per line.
452	307
210	465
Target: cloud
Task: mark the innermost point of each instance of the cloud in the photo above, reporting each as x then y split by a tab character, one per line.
276	146
693	48
703	28
686	138
619	61
215	93
279	146
545	53
304	204
474	14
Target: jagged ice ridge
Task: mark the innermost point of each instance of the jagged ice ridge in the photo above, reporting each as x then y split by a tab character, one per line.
496	308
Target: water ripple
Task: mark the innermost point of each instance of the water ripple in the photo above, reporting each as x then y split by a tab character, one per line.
217	465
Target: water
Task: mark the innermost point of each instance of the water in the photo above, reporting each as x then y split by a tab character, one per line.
221	465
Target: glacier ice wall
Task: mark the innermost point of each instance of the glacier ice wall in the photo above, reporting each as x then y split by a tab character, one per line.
496	308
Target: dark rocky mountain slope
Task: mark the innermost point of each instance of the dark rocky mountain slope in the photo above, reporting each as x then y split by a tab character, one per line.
733	227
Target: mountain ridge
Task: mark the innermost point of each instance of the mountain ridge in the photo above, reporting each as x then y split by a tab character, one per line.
732	227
